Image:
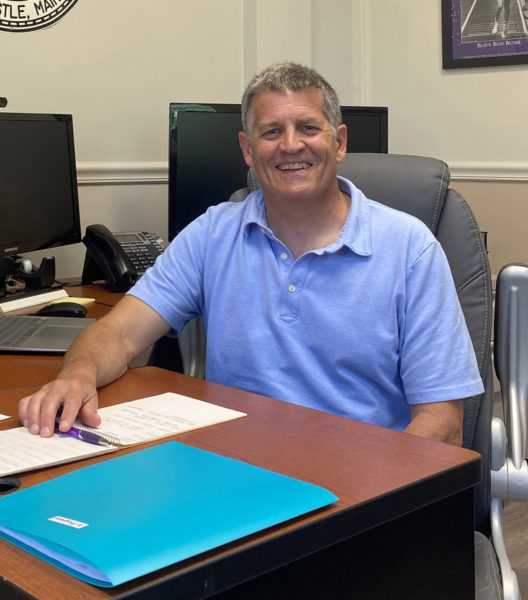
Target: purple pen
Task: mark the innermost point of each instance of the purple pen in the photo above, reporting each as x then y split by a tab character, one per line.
85	436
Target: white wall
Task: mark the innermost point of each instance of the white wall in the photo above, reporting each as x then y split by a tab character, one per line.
475	119
116	66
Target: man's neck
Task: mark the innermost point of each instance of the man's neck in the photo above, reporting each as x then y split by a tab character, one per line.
304	225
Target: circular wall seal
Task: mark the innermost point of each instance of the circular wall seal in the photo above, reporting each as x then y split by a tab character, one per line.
28	15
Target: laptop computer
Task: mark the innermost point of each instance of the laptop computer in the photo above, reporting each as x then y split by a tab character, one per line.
24	333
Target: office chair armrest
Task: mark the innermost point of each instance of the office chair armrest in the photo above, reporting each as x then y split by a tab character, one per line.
499	444
191	341
511	354
507	481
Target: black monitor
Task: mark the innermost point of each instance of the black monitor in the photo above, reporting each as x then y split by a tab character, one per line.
206	164
367	128
38	183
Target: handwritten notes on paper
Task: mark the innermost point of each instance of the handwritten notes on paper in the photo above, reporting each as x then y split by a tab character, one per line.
131	423
21	451
160	416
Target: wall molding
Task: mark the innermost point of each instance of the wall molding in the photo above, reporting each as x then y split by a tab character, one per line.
489	171
132	173
122	173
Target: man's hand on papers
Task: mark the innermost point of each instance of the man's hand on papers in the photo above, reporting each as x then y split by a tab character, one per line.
75	397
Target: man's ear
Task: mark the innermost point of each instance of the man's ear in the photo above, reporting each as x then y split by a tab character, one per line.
245	145
341	138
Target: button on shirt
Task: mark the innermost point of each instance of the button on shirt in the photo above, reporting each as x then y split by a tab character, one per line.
361	328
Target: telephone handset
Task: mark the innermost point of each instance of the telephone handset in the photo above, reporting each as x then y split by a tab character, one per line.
119	258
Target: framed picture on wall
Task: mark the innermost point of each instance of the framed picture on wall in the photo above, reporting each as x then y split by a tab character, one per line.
484	33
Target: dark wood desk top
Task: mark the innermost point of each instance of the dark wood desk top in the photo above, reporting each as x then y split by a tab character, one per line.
377	474
22	370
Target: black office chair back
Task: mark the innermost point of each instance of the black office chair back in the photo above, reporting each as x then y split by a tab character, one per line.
420	186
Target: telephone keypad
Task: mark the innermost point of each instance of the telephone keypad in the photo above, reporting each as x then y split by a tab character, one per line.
143	252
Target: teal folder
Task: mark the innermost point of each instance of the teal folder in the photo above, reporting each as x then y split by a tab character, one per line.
116	520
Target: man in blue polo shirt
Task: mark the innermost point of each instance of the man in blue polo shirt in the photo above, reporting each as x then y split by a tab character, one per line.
310	292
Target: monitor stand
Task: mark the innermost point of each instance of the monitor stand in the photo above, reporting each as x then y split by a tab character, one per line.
21	290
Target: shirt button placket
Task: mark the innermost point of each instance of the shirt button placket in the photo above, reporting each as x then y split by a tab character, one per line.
292	294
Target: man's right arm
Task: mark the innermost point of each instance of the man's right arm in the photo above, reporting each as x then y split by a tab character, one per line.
98	356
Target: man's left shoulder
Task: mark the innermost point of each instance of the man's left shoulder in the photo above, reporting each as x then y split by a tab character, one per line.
381	215
384	216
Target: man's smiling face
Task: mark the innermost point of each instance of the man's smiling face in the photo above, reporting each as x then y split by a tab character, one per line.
293	147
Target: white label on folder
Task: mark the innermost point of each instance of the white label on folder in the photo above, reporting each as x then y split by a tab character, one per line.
69	522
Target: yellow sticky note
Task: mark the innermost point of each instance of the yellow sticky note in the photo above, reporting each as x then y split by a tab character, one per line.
72	299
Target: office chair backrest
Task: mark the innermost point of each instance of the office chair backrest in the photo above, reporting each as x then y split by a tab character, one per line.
420	186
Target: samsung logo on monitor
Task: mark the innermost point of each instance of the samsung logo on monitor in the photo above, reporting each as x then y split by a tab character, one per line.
11	250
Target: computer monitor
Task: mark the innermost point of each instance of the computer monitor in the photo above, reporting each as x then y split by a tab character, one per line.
38	183
205	161
206	164
367	128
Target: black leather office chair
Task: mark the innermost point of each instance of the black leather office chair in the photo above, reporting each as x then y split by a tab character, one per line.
420	186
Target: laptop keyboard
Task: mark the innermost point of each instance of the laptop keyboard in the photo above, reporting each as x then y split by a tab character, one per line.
15	330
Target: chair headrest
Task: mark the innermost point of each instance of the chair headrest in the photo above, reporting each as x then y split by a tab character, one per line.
413	184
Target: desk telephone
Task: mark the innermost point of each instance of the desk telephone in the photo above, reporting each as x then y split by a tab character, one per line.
119	258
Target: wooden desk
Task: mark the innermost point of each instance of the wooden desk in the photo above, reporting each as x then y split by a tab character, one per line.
402	528
22	370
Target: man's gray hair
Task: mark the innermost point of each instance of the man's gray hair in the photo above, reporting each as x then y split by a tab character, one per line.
293	77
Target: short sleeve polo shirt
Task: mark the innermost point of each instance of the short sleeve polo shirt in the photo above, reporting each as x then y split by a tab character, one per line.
362	328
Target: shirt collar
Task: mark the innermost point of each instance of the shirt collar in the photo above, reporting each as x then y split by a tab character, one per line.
355	234
356	231
255	211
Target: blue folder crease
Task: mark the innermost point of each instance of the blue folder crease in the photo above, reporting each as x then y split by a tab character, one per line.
149	509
